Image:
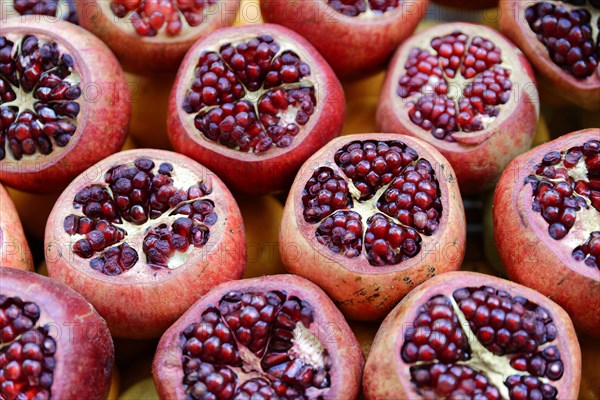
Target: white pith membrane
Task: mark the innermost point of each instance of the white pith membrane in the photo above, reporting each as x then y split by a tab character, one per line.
285	117
25	100
125	22
135	233
368	13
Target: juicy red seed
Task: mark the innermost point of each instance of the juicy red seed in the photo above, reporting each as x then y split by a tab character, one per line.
342	233
450	381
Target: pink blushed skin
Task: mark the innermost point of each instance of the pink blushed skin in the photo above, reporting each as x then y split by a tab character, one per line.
530	255
144	54
360	290
347	359
387	376
144	301
14	250
477	157
354	46
583	93
105	108
85	353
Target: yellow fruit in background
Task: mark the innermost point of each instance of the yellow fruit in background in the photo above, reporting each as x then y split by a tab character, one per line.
249	13
362	97
42	268
115	384
590	370
141	390
365	333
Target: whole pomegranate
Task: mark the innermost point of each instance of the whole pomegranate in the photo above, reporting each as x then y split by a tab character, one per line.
468	4
356	37
464	335
154	35
371	216
467	91
252	103
274	337
142	235
64	103
14	250
53	344
547	223
561	40
59	9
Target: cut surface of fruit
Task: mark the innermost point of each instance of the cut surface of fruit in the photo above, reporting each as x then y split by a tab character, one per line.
61	9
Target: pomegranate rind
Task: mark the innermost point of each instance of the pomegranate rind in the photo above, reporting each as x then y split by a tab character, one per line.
347	359
85	353
360	290
479	157
105	108
274	169
362	44
581	92
530	255
14	250
390	379
152	54
468	5
147	300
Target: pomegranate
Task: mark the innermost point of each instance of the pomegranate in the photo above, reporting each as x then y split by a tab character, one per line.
14	250
53	344
252	103
371	216
547	223
60	9
467	91
468	335
274	337
154	35
468	4
561	40
64	103
356	37
147	225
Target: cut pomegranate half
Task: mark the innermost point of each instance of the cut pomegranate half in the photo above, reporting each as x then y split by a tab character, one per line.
467	91
252	103
356	37
64	103
53	344
147	225
562	41
14	250
468	335
153	35
547	223
371	216
60	9
274	337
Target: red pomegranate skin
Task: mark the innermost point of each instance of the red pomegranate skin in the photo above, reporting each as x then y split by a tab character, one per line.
362	45
530	255
329	324
468	4
387	376
84	348
15	251
559	84
478	157
144	54
144	301
272	170
105	108
363	291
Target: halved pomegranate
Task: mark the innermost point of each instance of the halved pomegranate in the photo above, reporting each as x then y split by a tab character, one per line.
60	9
467	91
142	235
154	35
252	103
547	223
64	103
356	37
274	337
371	216
561	40
14	250
465	335
53	344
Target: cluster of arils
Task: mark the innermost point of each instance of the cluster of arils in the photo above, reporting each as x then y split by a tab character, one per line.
135	194
382	197
355	8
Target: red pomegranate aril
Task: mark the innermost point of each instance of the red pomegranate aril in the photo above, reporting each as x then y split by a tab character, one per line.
156	235
541	360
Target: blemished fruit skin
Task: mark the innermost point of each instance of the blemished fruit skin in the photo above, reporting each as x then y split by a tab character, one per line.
531	256
14	249
105	108
360	290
